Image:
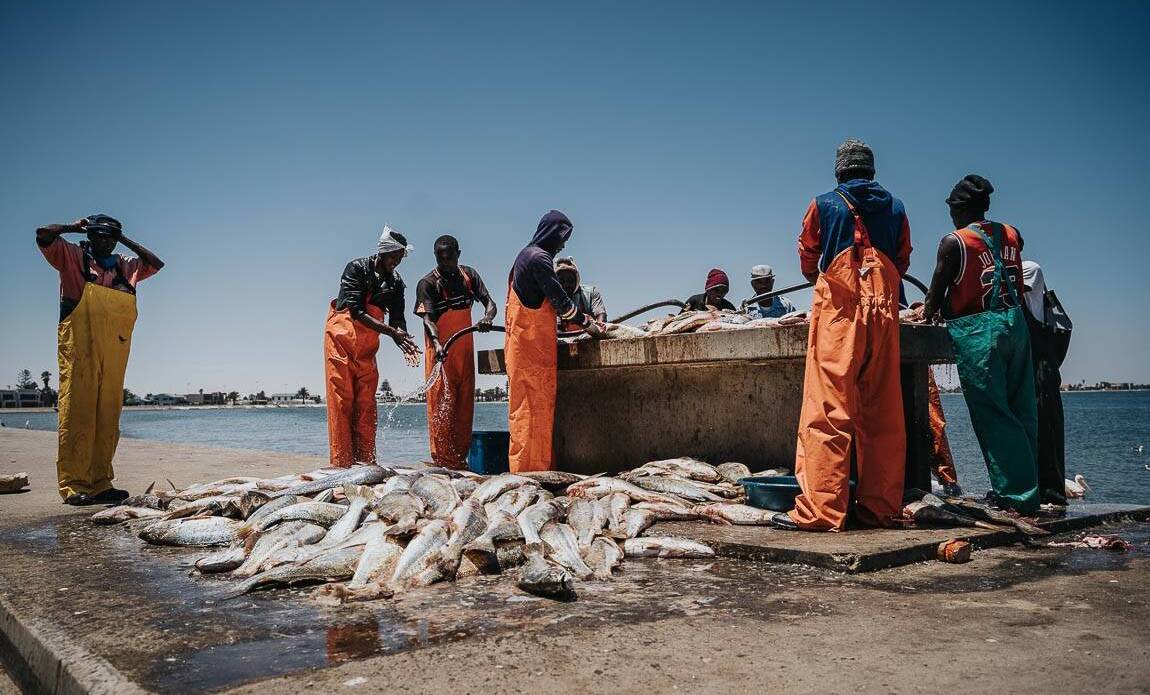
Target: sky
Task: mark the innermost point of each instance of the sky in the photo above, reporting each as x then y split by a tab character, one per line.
258	146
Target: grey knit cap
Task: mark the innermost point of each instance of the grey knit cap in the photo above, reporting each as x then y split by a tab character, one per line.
854	154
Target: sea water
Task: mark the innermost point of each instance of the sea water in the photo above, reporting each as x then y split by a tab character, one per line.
1103	431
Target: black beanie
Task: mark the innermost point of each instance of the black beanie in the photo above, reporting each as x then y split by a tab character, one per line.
972	192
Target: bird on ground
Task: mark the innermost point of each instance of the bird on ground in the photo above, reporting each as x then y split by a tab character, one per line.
27	424
1077	488
1138	449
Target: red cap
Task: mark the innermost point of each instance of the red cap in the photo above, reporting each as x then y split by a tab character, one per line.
715	278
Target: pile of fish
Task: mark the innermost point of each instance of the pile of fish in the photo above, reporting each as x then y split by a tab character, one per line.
700	322
371	531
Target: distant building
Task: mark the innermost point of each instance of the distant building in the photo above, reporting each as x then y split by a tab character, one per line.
284	399
201	398
165	399
20	398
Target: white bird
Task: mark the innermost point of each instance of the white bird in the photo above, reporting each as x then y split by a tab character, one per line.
1138	448
27	424
1077	488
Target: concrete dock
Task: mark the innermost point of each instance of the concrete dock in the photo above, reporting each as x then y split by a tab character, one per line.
92	609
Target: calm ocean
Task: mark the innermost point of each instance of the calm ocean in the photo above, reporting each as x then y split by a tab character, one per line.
1102	433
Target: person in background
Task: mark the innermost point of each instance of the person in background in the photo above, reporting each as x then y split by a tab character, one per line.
535	304
714	294
97	317
762	282
1048	348
586	297
977	287
855	247
443	299
941	460
369	289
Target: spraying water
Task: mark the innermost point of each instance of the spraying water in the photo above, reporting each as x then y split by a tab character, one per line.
436	375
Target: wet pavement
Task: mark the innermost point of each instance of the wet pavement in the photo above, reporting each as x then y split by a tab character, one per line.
145	610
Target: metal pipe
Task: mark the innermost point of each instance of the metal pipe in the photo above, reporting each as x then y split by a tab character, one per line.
465	331
645	309
794	288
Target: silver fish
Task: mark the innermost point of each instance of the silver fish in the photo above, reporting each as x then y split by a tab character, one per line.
738	514
333	565
359	496
546	579
380	557
533	518
271	506
670	512
323	513
290	534
120	514
603	557
468	523
636	521
223	561
395	506
598	487
464	486
586	518
492	488
617	505
733	472
398	483
216	505
693	468
439	497
676	487
215	530
657	546
420	555
513	501
356	475
150	499
562	547
553	480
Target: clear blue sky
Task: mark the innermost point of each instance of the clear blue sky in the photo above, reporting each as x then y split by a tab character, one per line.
257	147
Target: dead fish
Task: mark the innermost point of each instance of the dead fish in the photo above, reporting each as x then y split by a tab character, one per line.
733	472
327	495
598	487
333	565
982	512
150	499
216	505
553	480
356	475
420	555
693	468
510	554
924	514
546	579
636	521
656	546
738	514
250	502
398	483
215	530
513	501
481	552
771	473
670	512
290	534
215	487
677	487
120	514
380	557
587	519
464	486
223	561
492	488
617	505
359	496
603	557
396	506
301	553
562	547
270	506
322	513
533	518
439	497
468	522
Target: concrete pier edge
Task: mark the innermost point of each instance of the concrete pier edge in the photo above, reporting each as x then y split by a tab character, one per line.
42	659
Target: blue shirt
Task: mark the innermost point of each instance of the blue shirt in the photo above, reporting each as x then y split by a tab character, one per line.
779	306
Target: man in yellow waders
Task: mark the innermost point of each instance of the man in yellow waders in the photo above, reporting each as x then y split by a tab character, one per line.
97	314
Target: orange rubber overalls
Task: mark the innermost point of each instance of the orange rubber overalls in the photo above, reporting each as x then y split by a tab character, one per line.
451	399
941	461
349	349
852	393
531	352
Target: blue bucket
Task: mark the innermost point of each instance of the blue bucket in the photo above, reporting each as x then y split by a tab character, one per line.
488	455
775	492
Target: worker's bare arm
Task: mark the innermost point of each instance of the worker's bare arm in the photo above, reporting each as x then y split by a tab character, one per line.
145	255
50	232
945	272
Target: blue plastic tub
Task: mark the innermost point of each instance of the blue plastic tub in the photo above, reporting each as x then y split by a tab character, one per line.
775	492
488	455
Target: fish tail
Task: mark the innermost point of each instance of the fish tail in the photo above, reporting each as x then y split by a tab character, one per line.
360	492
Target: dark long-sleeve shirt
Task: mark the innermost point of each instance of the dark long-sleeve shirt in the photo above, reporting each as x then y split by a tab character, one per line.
361	284
533	280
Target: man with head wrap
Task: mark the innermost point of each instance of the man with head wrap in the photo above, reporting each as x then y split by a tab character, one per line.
855	247
762	282
369	288
586	297
536	301
977	287
97	317
714	294
443	299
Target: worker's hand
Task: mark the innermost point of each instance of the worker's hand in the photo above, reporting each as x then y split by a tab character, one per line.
596	330
78	225
483	325
437	348
404	342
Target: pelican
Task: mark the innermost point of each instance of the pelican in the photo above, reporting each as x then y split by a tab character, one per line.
27	424
1077	488
1138	448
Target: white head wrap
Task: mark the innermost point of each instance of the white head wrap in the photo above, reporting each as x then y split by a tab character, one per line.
388	243
1035	289
762	271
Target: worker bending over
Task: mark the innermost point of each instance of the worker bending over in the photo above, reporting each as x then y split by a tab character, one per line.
762	282
714	294
443	299
97	316
535	303
855	247
977	287
586	297
369	288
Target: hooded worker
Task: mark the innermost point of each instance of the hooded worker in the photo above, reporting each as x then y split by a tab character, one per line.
855	247
977	286
369	289
586	297
714	294
97	317
443	299
536	301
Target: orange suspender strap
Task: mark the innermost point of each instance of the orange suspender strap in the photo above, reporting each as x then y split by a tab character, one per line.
862	237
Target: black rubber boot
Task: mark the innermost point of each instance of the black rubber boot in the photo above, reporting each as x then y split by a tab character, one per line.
110	496
80	500
782	520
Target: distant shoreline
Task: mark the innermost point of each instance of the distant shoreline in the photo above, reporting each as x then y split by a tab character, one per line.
148	408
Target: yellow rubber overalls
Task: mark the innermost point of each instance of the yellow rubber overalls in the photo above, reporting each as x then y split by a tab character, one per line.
94	341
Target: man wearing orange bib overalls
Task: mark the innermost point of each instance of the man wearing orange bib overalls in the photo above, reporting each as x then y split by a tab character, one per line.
535	300
369	288
443	298
97	317
855	247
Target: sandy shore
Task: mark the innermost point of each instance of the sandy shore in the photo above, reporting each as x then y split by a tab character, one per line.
1015	619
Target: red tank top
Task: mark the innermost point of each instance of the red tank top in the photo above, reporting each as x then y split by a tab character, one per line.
970	292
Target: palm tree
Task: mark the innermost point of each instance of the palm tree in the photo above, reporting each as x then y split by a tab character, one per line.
44	376
233	396
302	394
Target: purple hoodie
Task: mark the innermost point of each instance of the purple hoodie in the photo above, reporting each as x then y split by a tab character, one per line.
533	276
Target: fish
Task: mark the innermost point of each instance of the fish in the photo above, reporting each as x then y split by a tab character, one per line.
676	487
587	519
119	514
397	506
251	502
359	496
327	495
468	522
356	475
533	518
223	561
288	535
603	557
552	480
670	512
300	553
692	468
661	546
617	505
398	483
492	488
922	513
562	547
215	487
439	497
214	530
738	514
464	486
513	501
150	499
688	321
216	505
636	521
733	472
771	473
982	512
380	557
420	555
333	565
598	487
323	513
546	579
270	506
